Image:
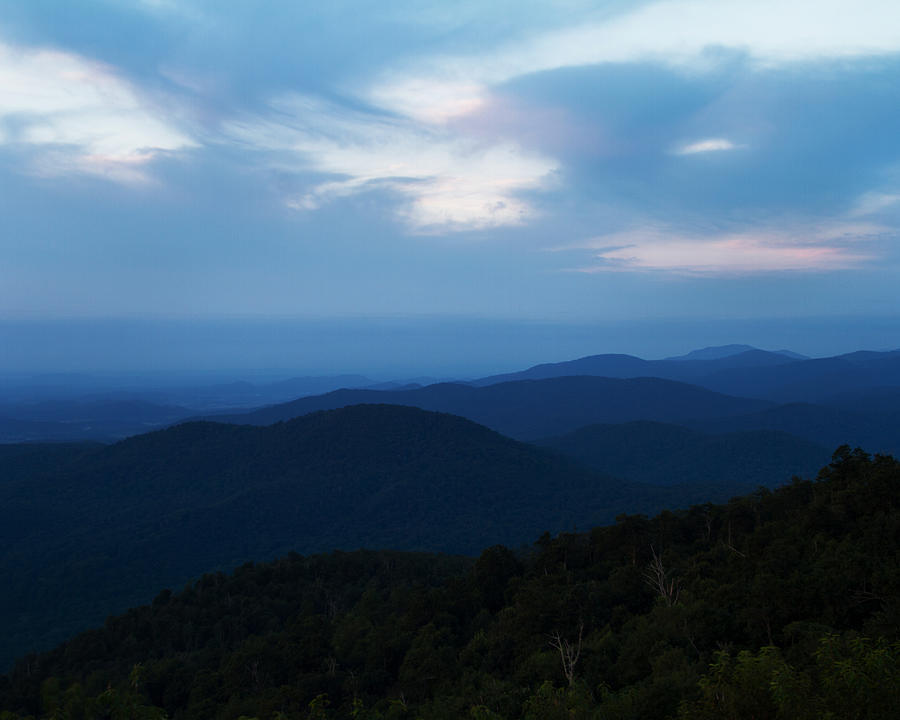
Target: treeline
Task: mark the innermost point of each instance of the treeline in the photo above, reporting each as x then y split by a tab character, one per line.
779	604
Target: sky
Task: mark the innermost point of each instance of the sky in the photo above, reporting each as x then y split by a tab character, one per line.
504	182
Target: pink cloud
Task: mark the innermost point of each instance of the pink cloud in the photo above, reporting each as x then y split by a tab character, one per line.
816	249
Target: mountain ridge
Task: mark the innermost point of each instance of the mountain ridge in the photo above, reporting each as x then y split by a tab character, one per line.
666	454
530	409
103	526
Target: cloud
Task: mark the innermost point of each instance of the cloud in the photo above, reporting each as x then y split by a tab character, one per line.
79	116
449	134
686	33
705	146
872	203
828	247
447	181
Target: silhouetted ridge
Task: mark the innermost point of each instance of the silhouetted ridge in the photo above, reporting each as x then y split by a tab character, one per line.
738	370
689	368
530	409
715	352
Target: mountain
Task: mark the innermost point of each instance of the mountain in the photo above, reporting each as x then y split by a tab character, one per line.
682	369
719	352
809	380
243	394
609	365
88	530
664	454
739	370
229	397
114	414
778	604
874	400
55	396
716	352
793	355
531	409
829	426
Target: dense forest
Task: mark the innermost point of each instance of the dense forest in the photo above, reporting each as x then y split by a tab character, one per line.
777	604
106	526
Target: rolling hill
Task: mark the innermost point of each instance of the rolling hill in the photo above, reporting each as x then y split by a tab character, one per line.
810	380
89	530
828	426
739	370
532	409
688	368
664	454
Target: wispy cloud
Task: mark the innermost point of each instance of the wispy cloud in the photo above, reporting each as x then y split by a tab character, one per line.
705	146
872	203
80	116
810	248
437	131
447	181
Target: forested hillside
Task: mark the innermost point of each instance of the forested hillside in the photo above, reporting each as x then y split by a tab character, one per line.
90	530
781	604
665	454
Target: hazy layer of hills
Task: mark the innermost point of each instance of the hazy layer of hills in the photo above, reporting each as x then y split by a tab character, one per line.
71	408
105	526
693	367
67	408
778	376
722	351
63	420
531	409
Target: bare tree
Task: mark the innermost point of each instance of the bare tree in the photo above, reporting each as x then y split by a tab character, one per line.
568	652
658	578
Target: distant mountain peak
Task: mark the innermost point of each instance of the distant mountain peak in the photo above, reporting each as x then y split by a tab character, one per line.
791	354
715	352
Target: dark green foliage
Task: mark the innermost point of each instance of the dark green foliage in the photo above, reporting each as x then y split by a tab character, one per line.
852	678
779	604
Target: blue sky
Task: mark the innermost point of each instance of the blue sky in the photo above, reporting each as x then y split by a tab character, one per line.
521	162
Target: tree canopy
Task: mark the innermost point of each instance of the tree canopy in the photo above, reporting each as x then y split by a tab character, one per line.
776	604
